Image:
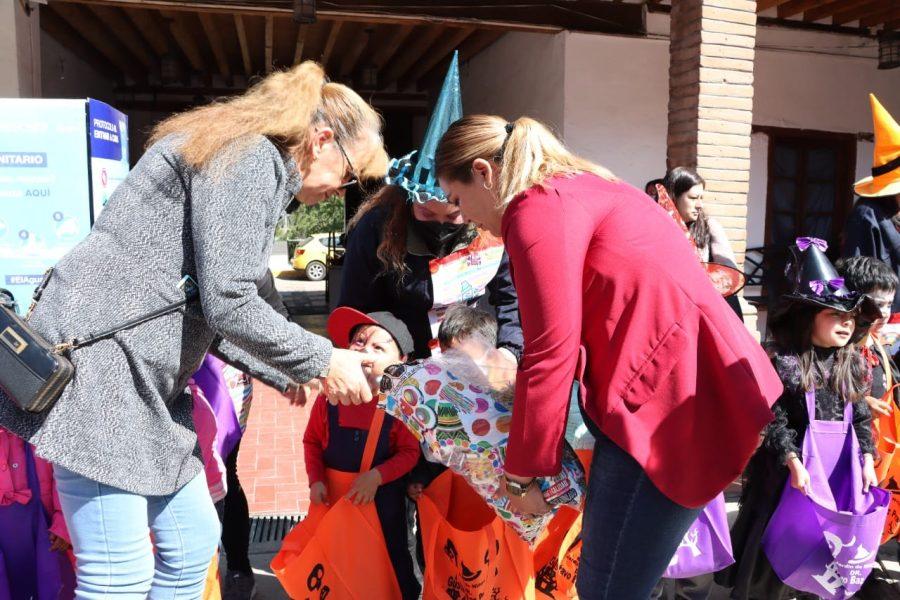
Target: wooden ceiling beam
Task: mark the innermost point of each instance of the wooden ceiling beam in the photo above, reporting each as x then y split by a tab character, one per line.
882	16
414	51
302	32
762	5
330	43
245	47
147	22
214	36
90	29
388	48
124	31
795	7
351	56
825	10
65	34
437	54
185	39
855	12
270	43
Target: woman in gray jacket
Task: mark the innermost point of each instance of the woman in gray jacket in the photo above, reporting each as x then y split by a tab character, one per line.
202	202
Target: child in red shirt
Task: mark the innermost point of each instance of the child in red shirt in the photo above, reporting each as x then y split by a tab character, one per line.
336	437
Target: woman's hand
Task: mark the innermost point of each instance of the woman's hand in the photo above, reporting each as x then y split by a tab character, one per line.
870	479
799	475
318	493
299	395
346	382
532	503
877	405
364	487
58	544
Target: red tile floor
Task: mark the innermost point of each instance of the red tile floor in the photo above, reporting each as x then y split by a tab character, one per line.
270	463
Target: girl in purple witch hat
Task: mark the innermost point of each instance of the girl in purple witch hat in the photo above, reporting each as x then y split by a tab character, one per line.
35	562
813	346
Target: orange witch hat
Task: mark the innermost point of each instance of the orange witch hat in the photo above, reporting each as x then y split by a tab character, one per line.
885	179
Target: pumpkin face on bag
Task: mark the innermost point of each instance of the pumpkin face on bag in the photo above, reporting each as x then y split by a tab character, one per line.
472	577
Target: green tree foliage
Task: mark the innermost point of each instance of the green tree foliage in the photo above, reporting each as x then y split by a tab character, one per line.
324	217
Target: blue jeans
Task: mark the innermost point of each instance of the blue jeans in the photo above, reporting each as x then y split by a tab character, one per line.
631	530
111	528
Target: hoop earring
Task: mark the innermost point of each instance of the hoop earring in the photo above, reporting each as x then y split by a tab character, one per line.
486	186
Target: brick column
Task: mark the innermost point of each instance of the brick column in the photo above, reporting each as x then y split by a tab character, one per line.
711	53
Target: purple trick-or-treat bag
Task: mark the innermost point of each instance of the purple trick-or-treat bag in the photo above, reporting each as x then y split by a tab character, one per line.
825	542
706	547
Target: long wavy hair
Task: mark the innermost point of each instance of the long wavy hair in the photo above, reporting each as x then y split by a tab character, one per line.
677	182
391	250
527	156
791	333
283	107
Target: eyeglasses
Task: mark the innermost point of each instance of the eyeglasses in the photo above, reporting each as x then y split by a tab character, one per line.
351	176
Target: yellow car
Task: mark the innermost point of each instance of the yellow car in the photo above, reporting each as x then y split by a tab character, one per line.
313	254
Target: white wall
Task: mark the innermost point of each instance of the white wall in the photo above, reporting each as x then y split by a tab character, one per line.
20	41
616	103
520	74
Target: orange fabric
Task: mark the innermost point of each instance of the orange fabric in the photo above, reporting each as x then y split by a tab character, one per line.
470	552
213	589
557	554
339	551
887	436
887	148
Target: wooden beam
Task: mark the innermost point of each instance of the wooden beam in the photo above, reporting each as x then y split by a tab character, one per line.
215	42
123	30
245	47
762	5
66	35
437	54
332	40
147	22
351	56
795	7
90	29
302	30
854	12
325	14
270	43
412	53
826	10
387	49
876	18
185	39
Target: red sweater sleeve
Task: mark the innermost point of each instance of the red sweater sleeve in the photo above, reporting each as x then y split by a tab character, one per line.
547	237
315	440
404	454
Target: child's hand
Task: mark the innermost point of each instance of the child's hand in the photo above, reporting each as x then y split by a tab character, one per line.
364	487
318	493
877	405
799	476
58	544
870	479
414	491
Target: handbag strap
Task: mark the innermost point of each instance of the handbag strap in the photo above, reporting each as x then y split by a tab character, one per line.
372	441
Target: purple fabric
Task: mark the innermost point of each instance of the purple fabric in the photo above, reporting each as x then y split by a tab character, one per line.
210	379
826	543
28	568
706	547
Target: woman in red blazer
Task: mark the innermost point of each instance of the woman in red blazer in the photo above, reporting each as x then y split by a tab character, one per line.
612	296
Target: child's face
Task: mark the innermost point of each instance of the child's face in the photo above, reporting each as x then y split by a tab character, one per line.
884	300
375	340
833	328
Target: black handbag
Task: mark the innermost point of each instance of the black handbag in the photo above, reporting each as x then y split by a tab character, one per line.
34	372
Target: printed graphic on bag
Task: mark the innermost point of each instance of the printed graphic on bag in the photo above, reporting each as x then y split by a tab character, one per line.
465	426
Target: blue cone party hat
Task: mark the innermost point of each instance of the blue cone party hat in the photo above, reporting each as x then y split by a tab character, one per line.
415	171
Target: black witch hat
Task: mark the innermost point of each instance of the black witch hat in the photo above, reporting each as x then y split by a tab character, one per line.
814	280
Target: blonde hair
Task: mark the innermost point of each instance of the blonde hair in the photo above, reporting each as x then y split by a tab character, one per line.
527	155
282	107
